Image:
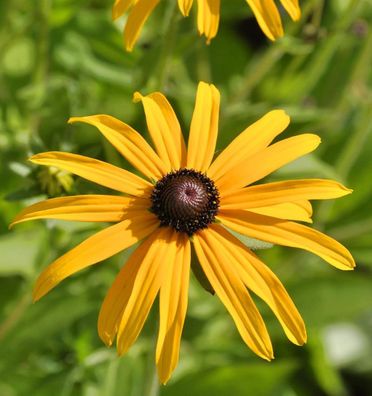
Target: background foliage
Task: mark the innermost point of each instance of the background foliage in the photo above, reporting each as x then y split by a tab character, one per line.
64	57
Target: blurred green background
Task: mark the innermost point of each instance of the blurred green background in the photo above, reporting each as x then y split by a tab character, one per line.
64	58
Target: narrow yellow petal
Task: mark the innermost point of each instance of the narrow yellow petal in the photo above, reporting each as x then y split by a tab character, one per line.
146	285
137	18
118	296
293	8
287	233
253	139
107	208
268	17
173	306
299	211
234	295
208	18
204	127
261	280
267	161
284	191
128	142
98	247
185	6
96	171
164	129
120	7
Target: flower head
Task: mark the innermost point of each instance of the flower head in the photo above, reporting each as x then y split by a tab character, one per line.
265	11
191	201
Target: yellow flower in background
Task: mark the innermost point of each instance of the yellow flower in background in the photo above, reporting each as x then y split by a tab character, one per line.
265	11
184	199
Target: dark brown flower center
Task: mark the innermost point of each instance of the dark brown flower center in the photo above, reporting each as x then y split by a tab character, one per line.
186	200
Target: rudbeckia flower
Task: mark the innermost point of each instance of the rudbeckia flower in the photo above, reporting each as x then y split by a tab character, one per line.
185	200
265	11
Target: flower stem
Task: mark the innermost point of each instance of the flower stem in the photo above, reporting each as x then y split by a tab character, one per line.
152	385
162	71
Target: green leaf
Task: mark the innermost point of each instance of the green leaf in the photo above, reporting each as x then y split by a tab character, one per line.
19	251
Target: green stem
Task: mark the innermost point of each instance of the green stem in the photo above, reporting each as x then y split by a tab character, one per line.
203	69
353	230
259	68
17	312
161	75
152	386
363	127
40	76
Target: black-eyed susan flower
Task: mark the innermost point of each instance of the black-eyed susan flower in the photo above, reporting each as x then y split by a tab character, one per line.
184	199
265	11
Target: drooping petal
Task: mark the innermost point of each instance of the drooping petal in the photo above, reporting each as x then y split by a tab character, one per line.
287	233
98	247
185	6
284	191
267	161
268	17
164	129
261	280
96	171
253	139
234	295
208	18
118	296
120	7
299	211
128	142
107	208
137	18
293	8
204	127
161	254
173	306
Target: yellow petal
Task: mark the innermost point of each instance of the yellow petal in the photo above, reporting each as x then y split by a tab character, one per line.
120	7
293	8
137	18
98	247
208	18
261	280
96	171
299	210
267	161
287	233
164	129
118	296
284	191
146	285
185	6
233	294
128	142
268	17
204	127
173	306
95	208
253	139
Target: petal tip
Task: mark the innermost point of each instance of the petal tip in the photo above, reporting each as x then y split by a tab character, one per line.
35	297
71	120
106	339
348	191
137	97
115	13
35	158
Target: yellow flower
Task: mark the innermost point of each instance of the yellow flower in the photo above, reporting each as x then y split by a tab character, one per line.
190	201
265	11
